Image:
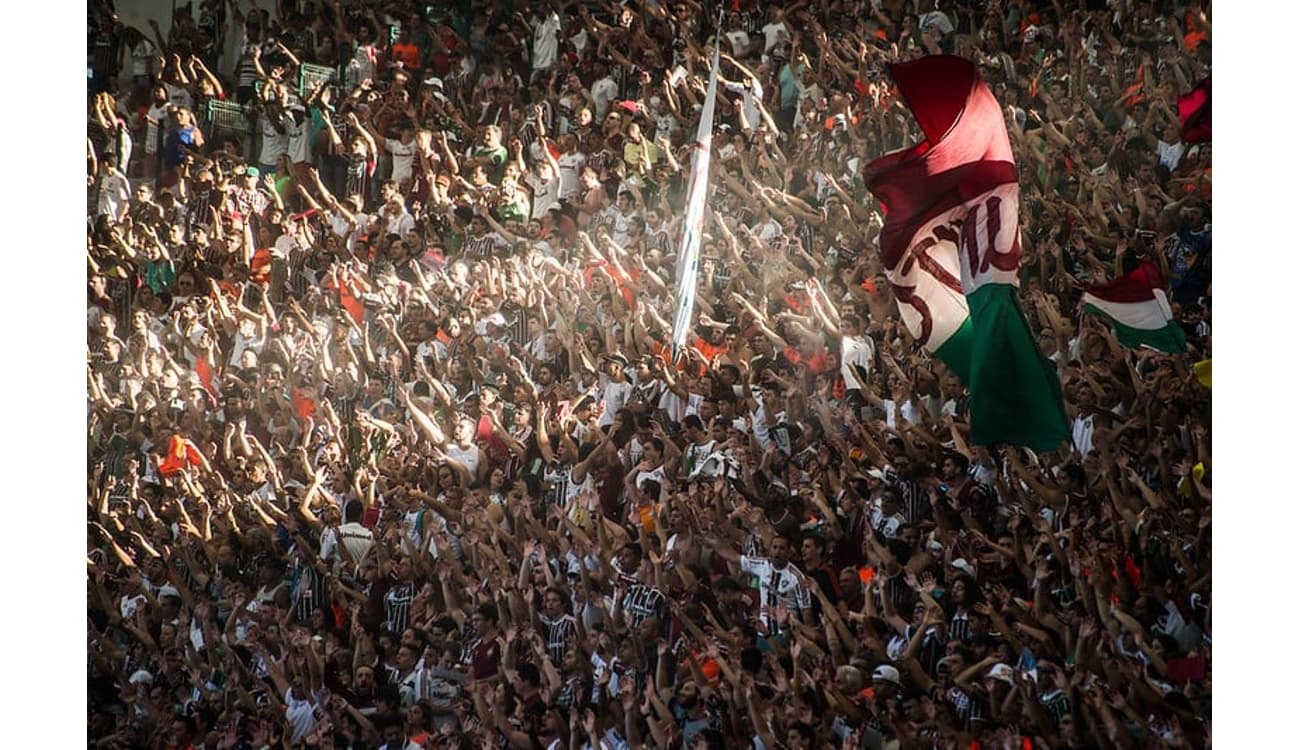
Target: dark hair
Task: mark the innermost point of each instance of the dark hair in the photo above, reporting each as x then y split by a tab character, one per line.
352	512
804	730
488	611
816	539
529	674
714	740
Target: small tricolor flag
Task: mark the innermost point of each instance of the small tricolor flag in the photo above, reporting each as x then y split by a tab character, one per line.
1137	309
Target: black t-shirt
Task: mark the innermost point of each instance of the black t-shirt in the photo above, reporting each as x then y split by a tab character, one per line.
826	579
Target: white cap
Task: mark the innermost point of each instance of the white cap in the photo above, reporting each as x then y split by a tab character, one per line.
141	676
886	673
965	567
1003	672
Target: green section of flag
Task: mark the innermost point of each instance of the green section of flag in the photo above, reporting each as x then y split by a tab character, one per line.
955	352
1015	393
1169	339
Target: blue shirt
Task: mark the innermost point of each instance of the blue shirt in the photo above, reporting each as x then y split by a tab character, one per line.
172	154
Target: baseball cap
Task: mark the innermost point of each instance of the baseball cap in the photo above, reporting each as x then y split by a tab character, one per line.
886	673
961	564
252	172
141	676
1003	672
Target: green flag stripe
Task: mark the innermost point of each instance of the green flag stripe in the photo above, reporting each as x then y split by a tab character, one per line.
955	352
1015	394
1169	339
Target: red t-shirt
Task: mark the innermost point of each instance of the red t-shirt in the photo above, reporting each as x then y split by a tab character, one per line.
486	659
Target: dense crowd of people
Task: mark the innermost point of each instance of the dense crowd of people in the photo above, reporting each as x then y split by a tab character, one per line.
387	447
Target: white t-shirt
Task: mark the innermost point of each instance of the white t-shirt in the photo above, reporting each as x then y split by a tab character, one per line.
694	456
356	538
299	141
751	95
1082	434
545	194
619	222
403	158
546	41
179	96
739	41
400	224
274	143
299	714
772	35
570	168
616	396
329	544
114	193
665	124
886	525
579	41
341	226
785	586
158	118
907	410
470	456
1170	153
243	342
603	93
855	350
140	55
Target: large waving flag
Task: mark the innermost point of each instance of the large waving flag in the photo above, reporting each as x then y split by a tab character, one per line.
951	250
1194	113
1138	310
688	256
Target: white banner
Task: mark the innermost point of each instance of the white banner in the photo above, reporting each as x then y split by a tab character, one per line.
688	255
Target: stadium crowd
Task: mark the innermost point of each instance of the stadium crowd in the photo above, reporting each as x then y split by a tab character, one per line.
386	447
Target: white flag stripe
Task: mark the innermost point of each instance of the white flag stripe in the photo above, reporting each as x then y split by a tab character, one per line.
1146	316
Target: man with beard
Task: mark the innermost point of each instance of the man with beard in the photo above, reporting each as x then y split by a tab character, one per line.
780	582
968	494
902	477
